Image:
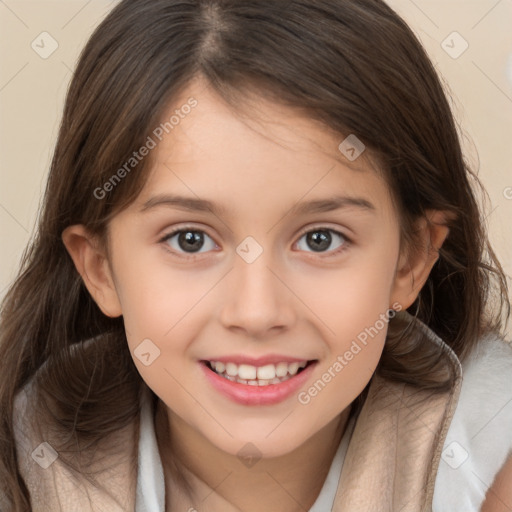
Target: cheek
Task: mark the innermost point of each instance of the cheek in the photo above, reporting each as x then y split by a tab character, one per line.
360	326
154	296
353	304
353	296
160	312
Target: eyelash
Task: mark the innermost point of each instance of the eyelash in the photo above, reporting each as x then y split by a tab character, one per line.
194	256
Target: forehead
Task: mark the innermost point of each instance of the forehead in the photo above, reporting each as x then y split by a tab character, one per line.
265	151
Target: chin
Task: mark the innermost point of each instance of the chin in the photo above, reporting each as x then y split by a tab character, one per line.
259	445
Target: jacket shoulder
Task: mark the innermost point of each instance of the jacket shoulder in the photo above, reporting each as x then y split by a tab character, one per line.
54	484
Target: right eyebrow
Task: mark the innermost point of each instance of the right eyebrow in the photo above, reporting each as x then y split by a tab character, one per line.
185	203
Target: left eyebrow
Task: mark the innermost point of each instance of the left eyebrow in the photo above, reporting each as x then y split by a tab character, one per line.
301	208
332	203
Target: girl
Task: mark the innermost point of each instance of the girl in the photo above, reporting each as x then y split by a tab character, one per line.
259	277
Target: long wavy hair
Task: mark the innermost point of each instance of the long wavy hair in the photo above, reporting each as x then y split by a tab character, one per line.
355	66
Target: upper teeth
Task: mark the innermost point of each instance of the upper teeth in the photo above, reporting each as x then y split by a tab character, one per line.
249	372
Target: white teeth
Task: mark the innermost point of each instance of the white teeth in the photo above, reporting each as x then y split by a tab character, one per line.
232	369
246	371
267	372
257	376
293	368
281	369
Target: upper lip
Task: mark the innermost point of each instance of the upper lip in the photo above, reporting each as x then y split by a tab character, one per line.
257	361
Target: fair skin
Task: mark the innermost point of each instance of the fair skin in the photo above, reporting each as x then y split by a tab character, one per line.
499	496
291	300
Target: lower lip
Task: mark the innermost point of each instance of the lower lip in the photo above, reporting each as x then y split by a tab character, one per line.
258	395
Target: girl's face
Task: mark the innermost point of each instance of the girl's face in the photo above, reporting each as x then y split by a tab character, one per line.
255	245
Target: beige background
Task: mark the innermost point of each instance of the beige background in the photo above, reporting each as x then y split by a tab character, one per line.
32	91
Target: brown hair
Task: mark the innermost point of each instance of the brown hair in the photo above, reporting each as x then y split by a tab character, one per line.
353	65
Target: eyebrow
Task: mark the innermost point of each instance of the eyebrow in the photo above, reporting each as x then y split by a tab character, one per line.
301	208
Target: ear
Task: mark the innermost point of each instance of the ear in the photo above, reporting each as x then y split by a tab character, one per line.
414	265
93	265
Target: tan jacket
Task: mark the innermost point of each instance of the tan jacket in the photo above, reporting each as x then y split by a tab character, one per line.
390	465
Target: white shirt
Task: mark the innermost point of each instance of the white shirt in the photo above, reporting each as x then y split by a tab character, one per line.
150	478
477	444
480	435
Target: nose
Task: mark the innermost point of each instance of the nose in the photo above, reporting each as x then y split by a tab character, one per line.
257	300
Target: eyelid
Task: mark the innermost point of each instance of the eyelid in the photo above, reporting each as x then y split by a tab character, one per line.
324	227
184	227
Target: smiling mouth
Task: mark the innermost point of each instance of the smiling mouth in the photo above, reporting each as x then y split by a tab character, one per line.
257	376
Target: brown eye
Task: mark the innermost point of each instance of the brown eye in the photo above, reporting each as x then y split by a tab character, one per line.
322	240
188	241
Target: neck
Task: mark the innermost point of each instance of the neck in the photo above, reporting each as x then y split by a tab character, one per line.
199	475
